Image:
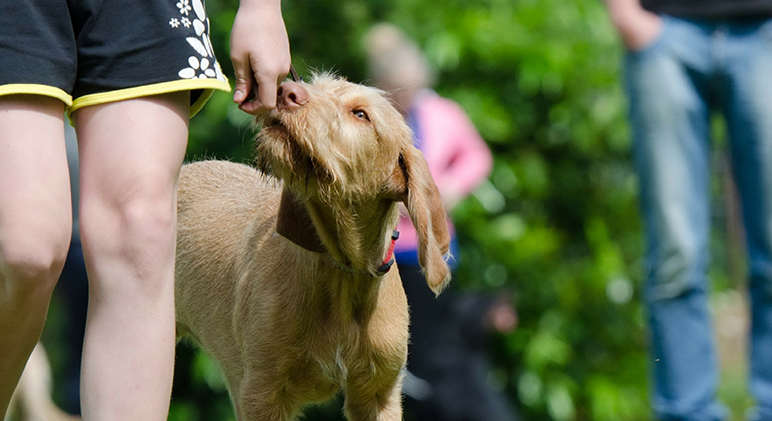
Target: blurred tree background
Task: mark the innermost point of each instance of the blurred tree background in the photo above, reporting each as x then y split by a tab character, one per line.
557	223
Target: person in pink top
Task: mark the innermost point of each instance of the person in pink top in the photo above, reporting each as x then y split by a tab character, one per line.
458	157
447	363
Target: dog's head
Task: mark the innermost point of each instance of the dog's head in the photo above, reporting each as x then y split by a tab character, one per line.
337	142
329	137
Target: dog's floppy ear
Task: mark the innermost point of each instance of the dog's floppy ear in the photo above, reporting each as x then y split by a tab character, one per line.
424	205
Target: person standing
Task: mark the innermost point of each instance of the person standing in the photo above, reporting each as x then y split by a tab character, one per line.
130	75
685	60
448	364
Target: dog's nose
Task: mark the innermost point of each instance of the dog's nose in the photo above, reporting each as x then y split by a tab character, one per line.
290	95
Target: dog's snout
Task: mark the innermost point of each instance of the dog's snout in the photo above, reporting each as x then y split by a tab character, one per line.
291	94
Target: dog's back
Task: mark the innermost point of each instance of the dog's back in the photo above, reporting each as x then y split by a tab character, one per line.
217	202
239	283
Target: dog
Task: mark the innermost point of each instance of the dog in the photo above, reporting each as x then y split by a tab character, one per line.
283	272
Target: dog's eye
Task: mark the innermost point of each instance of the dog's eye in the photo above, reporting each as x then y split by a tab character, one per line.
361	114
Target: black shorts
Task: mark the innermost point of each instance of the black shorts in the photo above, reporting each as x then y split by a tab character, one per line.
89	52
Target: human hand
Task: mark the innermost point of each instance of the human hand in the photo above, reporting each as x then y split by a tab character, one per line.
637	27
260	54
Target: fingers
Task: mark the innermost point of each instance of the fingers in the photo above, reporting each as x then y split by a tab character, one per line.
266	92
260	96
260	54
243	87
254	97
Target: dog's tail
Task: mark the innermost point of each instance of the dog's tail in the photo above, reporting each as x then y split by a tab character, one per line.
32	398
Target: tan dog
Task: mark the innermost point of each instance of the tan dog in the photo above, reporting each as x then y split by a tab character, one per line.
285	280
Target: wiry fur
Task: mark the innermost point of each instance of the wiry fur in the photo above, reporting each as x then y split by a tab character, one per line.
293	322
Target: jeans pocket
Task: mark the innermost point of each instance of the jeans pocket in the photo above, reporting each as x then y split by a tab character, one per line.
654	45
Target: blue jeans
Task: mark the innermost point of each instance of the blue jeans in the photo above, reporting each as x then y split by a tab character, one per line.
691	70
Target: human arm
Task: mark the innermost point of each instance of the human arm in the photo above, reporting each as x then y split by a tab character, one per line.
467	169
461	159
259	52
636	26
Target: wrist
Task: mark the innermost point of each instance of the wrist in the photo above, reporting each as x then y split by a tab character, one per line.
261	5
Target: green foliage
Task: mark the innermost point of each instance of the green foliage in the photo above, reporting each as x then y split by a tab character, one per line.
557	223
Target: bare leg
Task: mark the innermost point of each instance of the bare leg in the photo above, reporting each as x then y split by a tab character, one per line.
130	156
35	225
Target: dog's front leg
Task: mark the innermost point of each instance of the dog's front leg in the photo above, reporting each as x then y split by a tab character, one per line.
365	403
259	400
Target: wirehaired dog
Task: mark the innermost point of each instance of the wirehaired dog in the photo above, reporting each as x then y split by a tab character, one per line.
283	274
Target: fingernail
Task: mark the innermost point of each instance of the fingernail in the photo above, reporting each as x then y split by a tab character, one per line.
238	96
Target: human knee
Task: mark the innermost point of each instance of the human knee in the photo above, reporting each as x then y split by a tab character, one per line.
676	272
137	234
151	218
31	259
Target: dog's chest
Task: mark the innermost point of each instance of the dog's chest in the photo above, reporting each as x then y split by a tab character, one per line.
320	375
333	367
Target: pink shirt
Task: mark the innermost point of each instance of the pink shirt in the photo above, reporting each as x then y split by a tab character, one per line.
458	158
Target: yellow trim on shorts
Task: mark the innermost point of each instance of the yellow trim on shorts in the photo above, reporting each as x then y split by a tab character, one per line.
208	85
35	89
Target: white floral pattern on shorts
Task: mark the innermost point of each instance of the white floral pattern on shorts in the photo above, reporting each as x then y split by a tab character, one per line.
202	64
